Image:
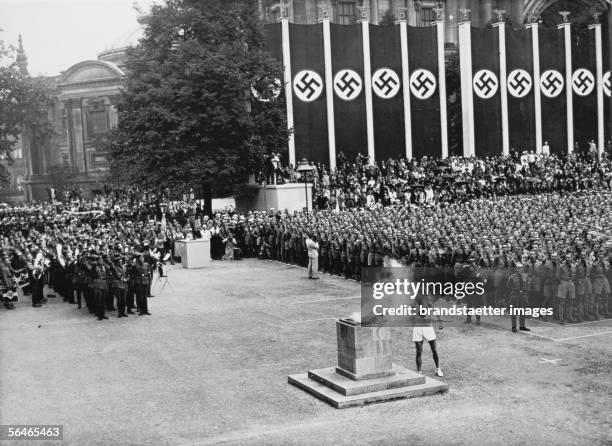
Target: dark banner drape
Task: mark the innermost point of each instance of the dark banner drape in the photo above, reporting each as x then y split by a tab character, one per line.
274	45
552	71
387	95
274	40
424	98
584	86
349	98
308	81
521	108
487	102
608	87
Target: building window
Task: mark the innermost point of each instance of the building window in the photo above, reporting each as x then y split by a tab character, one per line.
346	13
427	16
98	123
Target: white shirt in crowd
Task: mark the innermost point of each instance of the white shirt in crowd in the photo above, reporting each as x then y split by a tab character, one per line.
312	247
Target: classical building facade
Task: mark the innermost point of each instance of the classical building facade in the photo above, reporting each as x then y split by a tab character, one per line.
84	112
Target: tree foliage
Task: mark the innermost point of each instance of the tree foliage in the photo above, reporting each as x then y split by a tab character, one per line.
23	105
188	118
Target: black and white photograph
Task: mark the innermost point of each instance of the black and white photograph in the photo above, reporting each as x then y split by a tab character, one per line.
305	222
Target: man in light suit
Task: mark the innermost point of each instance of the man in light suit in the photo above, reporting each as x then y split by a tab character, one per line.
313	256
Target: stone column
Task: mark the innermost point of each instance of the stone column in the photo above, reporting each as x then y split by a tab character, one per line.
74	116
451	21
486	11
113	119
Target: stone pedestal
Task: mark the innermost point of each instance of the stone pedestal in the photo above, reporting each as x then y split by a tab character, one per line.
365	372
363	352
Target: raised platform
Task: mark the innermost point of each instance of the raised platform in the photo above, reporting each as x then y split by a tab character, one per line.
365	372
291	197
347	386
342	392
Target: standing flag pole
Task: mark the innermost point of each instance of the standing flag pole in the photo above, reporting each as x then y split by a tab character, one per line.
329	88
599	80
442	82
503	76
467	97
405	83
537	92
569	91
288	90
367	78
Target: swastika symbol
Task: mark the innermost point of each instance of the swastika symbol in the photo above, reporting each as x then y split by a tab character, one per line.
551	83
422	83
347	84
519	83
385	83
583	82
607	84
485	84
307	85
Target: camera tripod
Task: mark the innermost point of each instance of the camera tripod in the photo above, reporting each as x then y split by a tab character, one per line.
163	280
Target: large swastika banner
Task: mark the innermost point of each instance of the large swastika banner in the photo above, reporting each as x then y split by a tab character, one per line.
308	82
521	108
607	87
584	86
424	97
485	84
552	85
386	61
349	97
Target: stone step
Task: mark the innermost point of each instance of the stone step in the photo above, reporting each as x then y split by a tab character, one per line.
346	386
339	401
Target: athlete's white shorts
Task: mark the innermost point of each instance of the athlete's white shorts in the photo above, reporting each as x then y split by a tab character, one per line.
423	333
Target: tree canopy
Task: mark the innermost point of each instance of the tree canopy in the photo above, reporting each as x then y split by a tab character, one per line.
23	105
188	118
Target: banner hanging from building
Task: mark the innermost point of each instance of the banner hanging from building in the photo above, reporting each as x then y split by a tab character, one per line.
584	87
520	87
387	89
552	86
485	85
348	83
607	89
308	83
425	91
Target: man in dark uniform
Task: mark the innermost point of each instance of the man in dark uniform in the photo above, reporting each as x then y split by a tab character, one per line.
140	273
566	290
119	278
517	287
99	284
79	280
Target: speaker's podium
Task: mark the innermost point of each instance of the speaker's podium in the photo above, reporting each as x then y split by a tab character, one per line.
194	253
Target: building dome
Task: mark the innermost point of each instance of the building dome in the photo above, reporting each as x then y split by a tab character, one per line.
115	51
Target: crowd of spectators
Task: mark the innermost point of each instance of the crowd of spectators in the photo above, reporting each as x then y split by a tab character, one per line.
534	211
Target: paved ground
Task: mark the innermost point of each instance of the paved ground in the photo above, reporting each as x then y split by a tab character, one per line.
210	367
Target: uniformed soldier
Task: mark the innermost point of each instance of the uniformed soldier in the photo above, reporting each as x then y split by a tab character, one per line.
601	286
99	284
119	279
583	290
140	273
566	290
517	298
